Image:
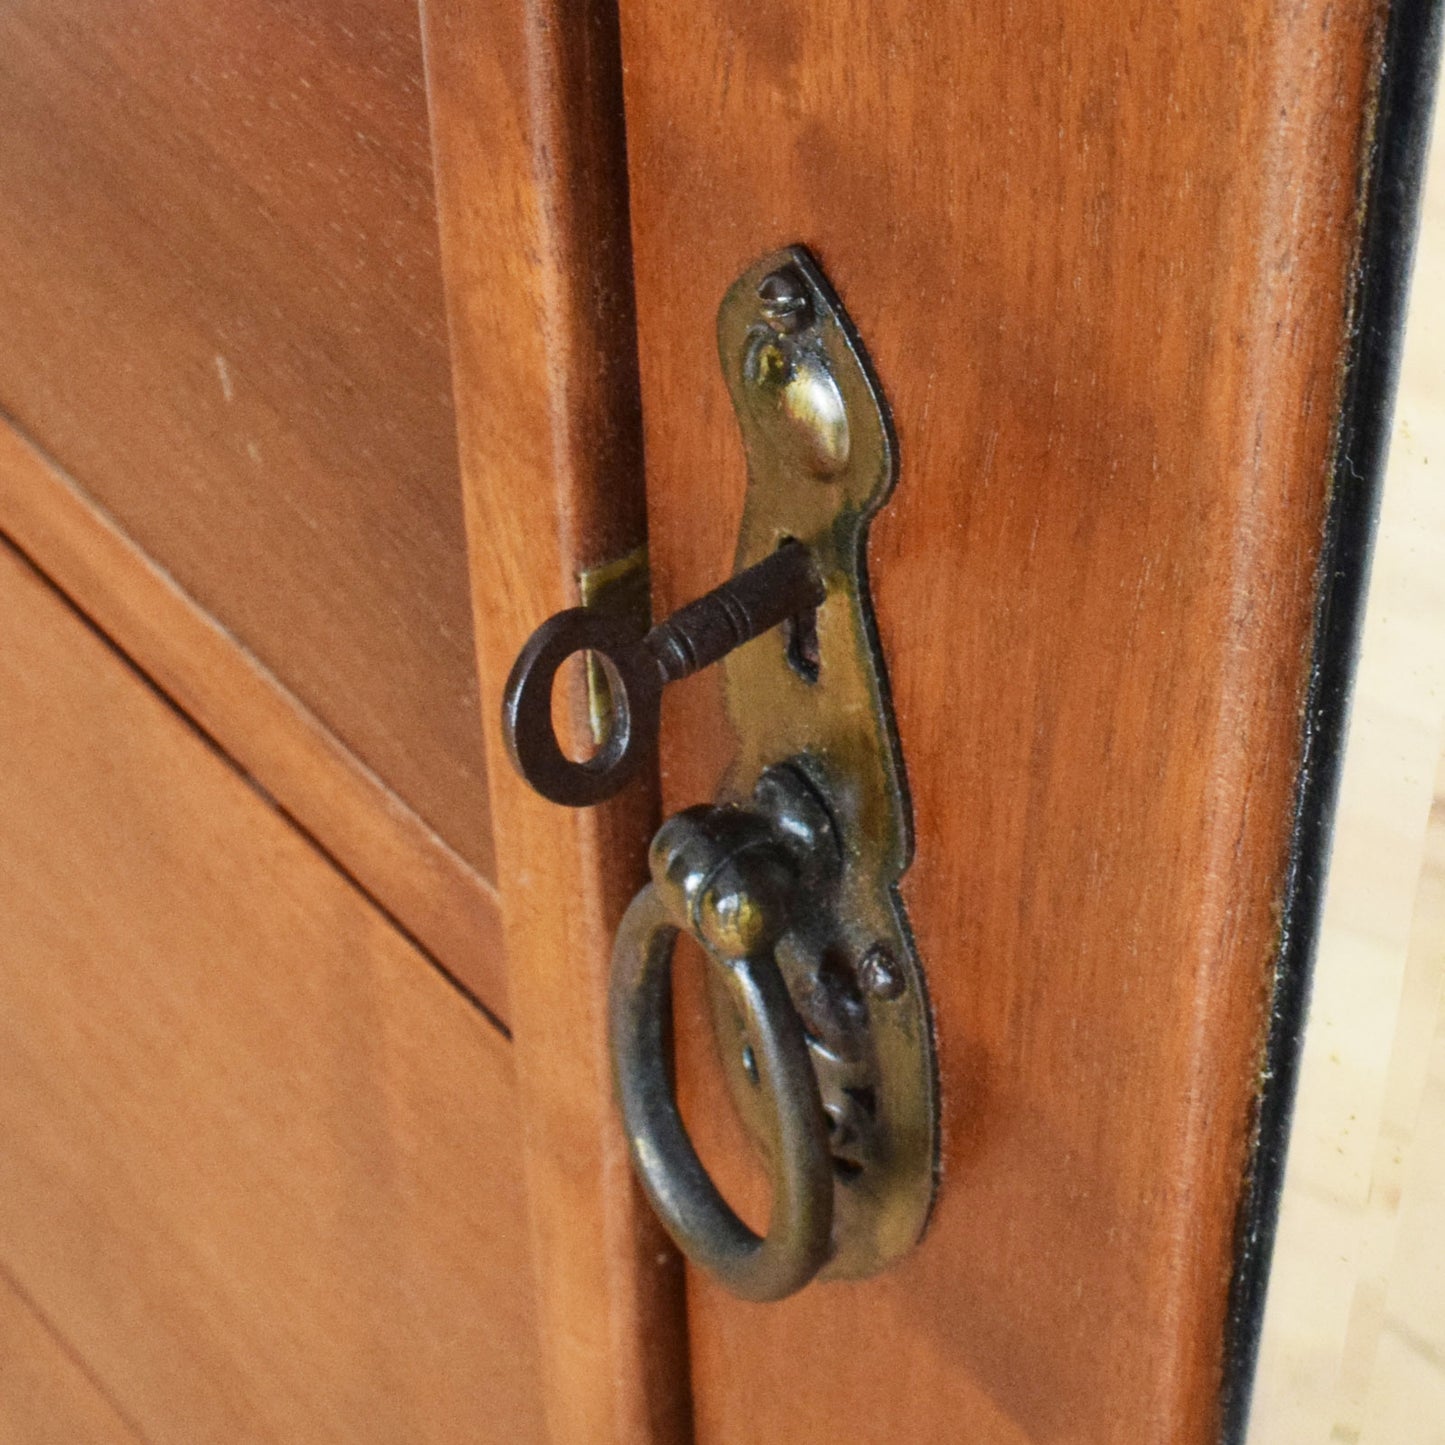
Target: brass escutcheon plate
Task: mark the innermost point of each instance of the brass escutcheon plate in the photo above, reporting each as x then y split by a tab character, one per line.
821	461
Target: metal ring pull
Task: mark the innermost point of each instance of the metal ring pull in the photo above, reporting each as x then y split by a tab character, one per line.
719	877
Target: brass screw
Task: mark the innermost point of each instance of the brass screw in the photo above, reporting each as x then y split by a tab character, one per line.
785	300
880	973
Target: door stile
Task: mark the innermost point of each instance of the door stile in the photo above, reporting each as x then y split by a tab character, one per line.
1101	257
525	100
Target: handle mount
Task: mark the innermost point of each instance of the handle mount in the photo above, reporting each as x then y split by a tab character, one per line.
790	880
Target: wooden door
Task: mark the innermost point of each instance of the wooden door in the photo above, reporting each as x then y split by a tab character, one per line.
1106	261
1113	265
259	1111
1104	258
228	421
332	324
262	1175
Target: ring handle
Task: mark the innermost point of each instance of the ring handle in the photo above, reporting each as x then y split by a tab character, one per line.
699	1219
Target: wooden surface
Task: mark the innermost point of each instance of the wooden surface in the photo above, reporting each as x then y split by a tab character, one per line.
434	894
1099	256
261	1165
221	302
46	1395
531	192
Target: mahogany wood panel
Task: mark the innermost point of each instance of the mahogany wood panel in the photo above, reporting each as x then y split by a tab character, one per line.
261	1162
46	1396
526	119
1100	255
221	302
435	894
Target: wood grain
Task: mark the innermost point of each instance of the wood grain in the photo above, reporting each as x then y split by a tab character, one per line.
434	893
261	1162
221	301
46	1397
1100	256
531	189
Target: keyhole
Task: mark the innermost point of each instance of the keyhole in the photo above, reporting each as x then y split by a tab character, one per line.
800	639
801	634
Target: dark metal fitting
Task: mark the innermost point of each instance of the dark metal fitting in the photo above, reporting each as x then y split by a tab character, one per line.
782	586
